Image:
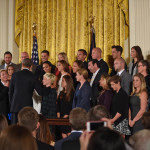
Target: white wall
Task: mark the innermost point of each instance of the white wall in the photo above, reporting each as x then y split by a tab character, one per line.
139	16
7	19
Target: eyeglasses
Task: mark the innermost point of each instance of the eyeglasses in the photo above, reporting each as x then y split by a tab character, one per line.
139	66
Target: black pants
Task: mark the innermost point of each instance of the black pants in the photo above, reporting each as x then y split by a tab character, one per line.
14	118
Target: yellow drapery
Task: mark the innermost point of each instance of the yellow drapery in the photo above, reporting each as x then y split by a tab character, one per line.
63	25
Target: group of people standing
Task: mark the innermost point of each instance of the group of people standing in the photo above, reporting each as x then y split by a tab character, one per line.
125	92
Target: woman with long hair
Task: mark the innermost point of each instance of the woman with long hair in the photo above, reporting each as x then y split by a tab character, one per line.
106	94
63	56
136	54
83	90
64	70
10	70
78	64
64	102
43	133
137	102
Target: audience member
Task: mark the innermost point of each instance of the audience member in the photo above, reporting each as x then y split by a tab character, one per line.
24	55
81	55
83	91
48	107
94	83
103	139
43	133
140	140
138	102
10	70
136	54
77	119
64	102
97	113
97	54
126	79
4	97
3	123
64	70
7	60
17	138
119	107
146	120
116	53
21	89
105	96
78	64
29	118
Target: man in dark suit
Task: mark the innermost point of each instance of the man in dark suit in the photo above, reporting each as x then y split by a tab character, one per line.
7	60
39	69
126	79
116	53
24	55
77	119
21	89
97	54
94	83
29	118
81	55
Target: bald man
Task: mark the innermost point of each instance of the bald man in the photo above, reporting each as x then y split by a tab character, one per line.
97	54
24	55
126	79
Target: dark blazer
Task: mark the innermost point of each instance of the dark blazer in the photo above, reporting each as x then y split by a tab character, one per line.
4	99
71	145
21	89
85	65
103	66
82	96
72	136
2	66
18	67
126	82
44	146
96	88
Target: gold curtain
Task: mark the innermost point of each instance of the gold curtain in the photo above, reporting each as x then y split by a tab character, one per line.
63	25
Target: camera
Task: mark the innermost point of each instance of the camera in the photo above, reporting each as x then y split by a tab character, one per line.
93	125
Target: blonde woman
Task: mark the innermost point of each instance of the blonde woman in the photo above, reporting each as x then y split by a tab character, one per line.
106	94
137	102
48	106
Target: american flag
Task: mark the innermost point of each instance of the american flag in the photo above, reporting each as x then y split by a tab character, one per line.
93	44
35	57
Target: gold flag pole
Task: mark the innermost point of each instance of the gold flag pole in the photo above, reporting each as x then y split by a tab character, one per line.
34	25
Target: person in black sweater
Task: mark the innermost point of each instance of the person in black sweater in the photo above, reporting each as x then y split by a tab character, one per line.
119	107
64	102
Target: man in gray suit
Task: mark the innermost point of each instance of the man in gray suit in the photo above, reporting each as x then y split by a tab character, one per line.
126	79
7	60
